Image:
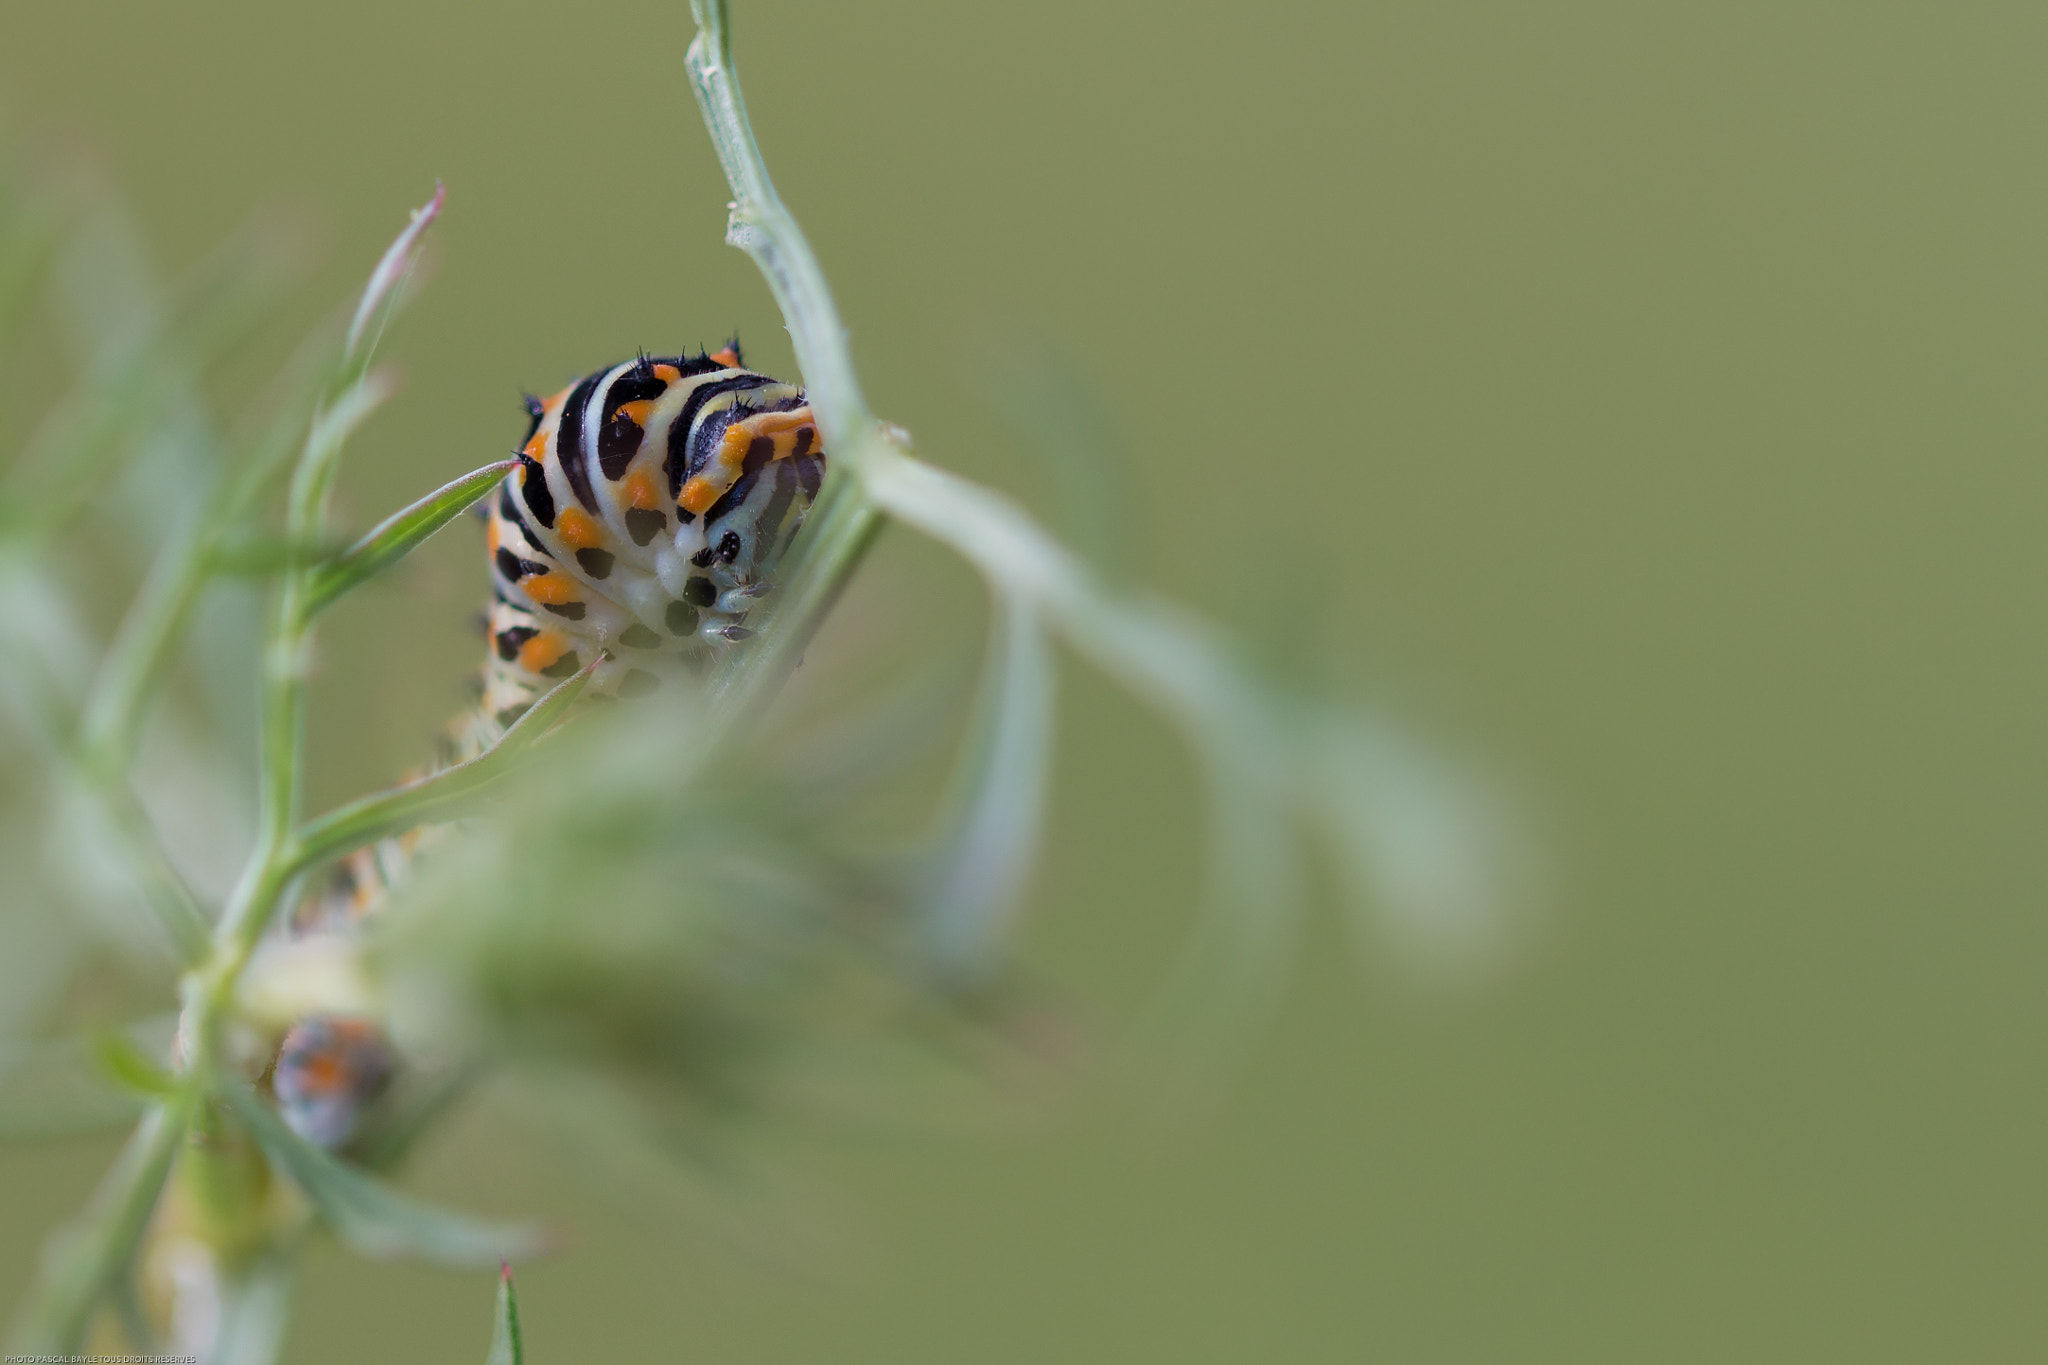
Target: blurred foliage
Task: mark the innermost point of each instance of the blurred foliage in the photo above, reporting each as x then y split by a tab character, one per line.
651	913
1652	395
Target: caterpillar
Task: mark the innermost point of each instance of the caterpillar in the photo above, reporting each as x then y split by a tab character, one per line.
652	500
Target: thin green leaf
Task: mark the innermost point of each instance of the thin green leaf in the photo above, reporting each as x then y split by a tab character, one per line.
114	820
505	1345
1429	849
53	1090
437	796
260	556
982	859
286	641
281	699
331	429
134	1320
381	295
130	1067
1236	958
399	534
369	1215
60	1087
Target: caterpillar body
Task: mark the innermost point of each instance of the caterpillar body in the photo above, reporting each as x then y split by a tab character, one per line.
652	500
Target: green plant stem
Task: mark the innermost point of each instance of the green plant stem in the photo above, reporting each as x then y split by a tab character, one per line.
162	885
843	522
103	747
1160	653
766	231
135	1184
438	796
69	1301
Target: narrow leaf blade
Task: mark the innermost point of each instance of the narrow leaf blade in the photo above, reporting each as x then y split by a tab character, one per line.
380	296
438	795
399	534
369	1215
122	1059
981	862
50	1089
260	556
505	1345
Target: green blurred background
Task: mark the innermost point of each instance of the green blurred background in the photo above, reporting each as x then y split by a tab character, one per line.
1644	397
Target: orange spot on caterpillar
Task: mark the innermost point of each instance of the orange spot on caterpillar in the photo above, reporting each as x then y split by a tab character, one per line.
539	442
549	589
492	530
641	490
698	495
576	529
667	374
634	412
727	358
542	651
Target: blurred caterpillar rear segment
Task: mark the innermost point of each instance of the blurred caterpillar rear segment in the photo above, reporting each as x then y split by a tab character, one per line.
329	1071
653	500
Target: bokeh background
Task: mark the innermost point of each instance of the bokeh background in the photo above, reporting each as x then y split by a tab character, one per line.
1643	397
